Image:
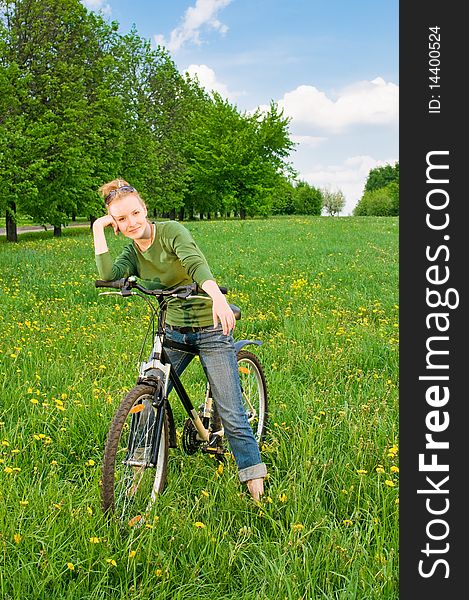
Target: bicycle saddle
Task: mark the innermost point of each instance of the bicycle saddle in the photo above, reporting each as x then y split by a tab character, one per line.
237	311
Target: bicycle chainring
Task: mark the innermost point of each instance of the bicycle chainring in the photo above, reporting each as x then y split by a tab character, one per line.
190	442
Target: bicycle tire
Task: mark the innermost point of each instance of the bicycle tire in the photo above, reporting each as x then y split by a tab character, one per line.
254	392
129	490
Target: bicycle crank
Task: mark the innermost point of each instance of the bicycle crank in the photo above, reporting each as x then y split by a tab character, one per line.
190	440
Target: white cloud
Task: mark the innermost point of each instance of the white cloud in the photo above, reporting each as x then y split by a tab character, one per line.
366	102
202	15
349	177
208	80
310	141
98	6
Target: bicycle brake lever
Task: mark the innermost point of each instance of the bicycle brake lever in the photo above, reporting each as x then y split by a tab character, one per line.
130	293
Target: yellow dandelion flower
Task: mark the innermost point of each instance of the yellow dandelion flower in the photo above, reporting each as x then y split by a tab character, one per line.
204	493
70	566
53	462
94	540
17	538
89	510
298	526
396	501
24	502
362	471
347	522
379	470
389	482
158	572
5	443
132	553
282	498
199	525
8	470
90	463
34	401
394	469
111	561
220	469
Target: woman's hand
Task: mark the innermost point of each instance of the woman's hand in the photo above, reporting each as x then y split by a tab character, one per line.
105	221
100	244
220	309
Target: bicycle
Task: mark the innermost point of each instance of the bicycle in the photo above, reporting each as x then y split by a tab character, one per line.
143	429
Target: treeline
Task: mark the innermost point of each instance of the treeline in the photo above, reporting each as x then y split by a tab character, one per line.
381	194
81	103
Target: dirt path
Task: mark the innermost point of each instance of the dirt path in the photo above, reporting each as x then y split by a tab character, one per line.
28	228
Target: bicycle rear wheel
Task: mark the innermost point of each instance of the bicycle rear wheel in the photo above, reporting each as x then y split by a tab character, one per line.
254	392
135	464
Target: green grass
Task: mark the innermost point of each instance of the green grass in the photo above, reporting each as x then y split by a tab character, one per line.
321	293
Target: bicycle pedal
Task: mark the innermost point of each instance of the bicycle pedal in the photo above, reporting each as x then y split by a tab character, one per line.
214	450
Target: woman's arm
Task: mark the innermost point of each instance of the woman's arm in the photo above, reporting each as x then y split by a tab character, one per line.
100	244
221	309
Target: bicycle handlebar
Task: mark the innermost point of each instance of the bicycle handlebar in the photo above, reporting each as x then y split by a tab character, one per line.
128	283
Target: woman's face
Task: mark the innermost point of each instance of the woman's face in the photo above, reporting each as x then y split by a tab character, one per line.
130	215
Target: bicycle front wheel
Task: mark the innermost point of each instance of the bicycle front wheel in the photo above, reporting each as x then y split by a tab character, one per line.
135	456
254	392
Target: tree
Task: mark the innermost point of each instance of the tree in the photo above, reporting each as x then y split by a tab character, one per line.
381	195
308	200
58	108
381	176
382	202
236	160
333	202
283	199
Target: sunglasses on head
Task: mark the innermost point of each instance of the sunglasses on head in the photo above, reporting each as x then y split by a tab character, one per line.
124	188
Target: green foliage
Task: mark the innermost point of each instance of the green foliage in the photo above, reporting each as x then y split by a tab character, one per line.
382	202
381	176
236	160
307	200
54	61
381	196
283	200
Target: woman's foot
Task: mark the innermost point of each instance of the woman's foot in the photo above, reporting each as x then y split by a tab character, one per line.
256	487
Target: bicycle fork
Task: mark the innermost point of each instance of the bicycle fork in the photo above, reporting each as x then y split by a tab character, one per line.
158	373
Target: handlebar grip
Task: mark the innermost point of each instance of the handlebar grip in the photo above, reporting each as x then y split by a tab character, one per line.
118	284
199	290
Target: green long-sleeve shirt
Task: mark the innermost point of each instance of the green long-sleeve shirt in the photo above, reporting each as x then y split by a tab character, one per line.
173	259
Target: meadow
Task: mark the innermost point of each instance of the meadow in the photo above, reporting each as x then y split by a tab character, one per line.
321	293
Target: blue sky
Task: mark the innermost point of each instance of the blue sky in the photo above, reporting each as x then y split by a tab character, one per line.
331	65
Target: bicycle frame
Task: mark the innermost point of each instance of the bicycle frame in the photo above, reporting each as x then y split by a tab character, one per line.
158	371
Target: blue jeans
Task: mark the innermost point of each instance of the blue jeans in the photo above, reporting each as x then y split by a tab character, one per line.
218	359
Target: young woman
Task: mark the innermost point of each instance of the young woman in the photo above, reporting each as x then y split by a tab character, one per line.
165	255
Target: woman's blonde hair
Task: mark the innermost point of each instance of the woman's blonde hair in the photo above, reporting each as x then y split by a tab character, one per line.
117	188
